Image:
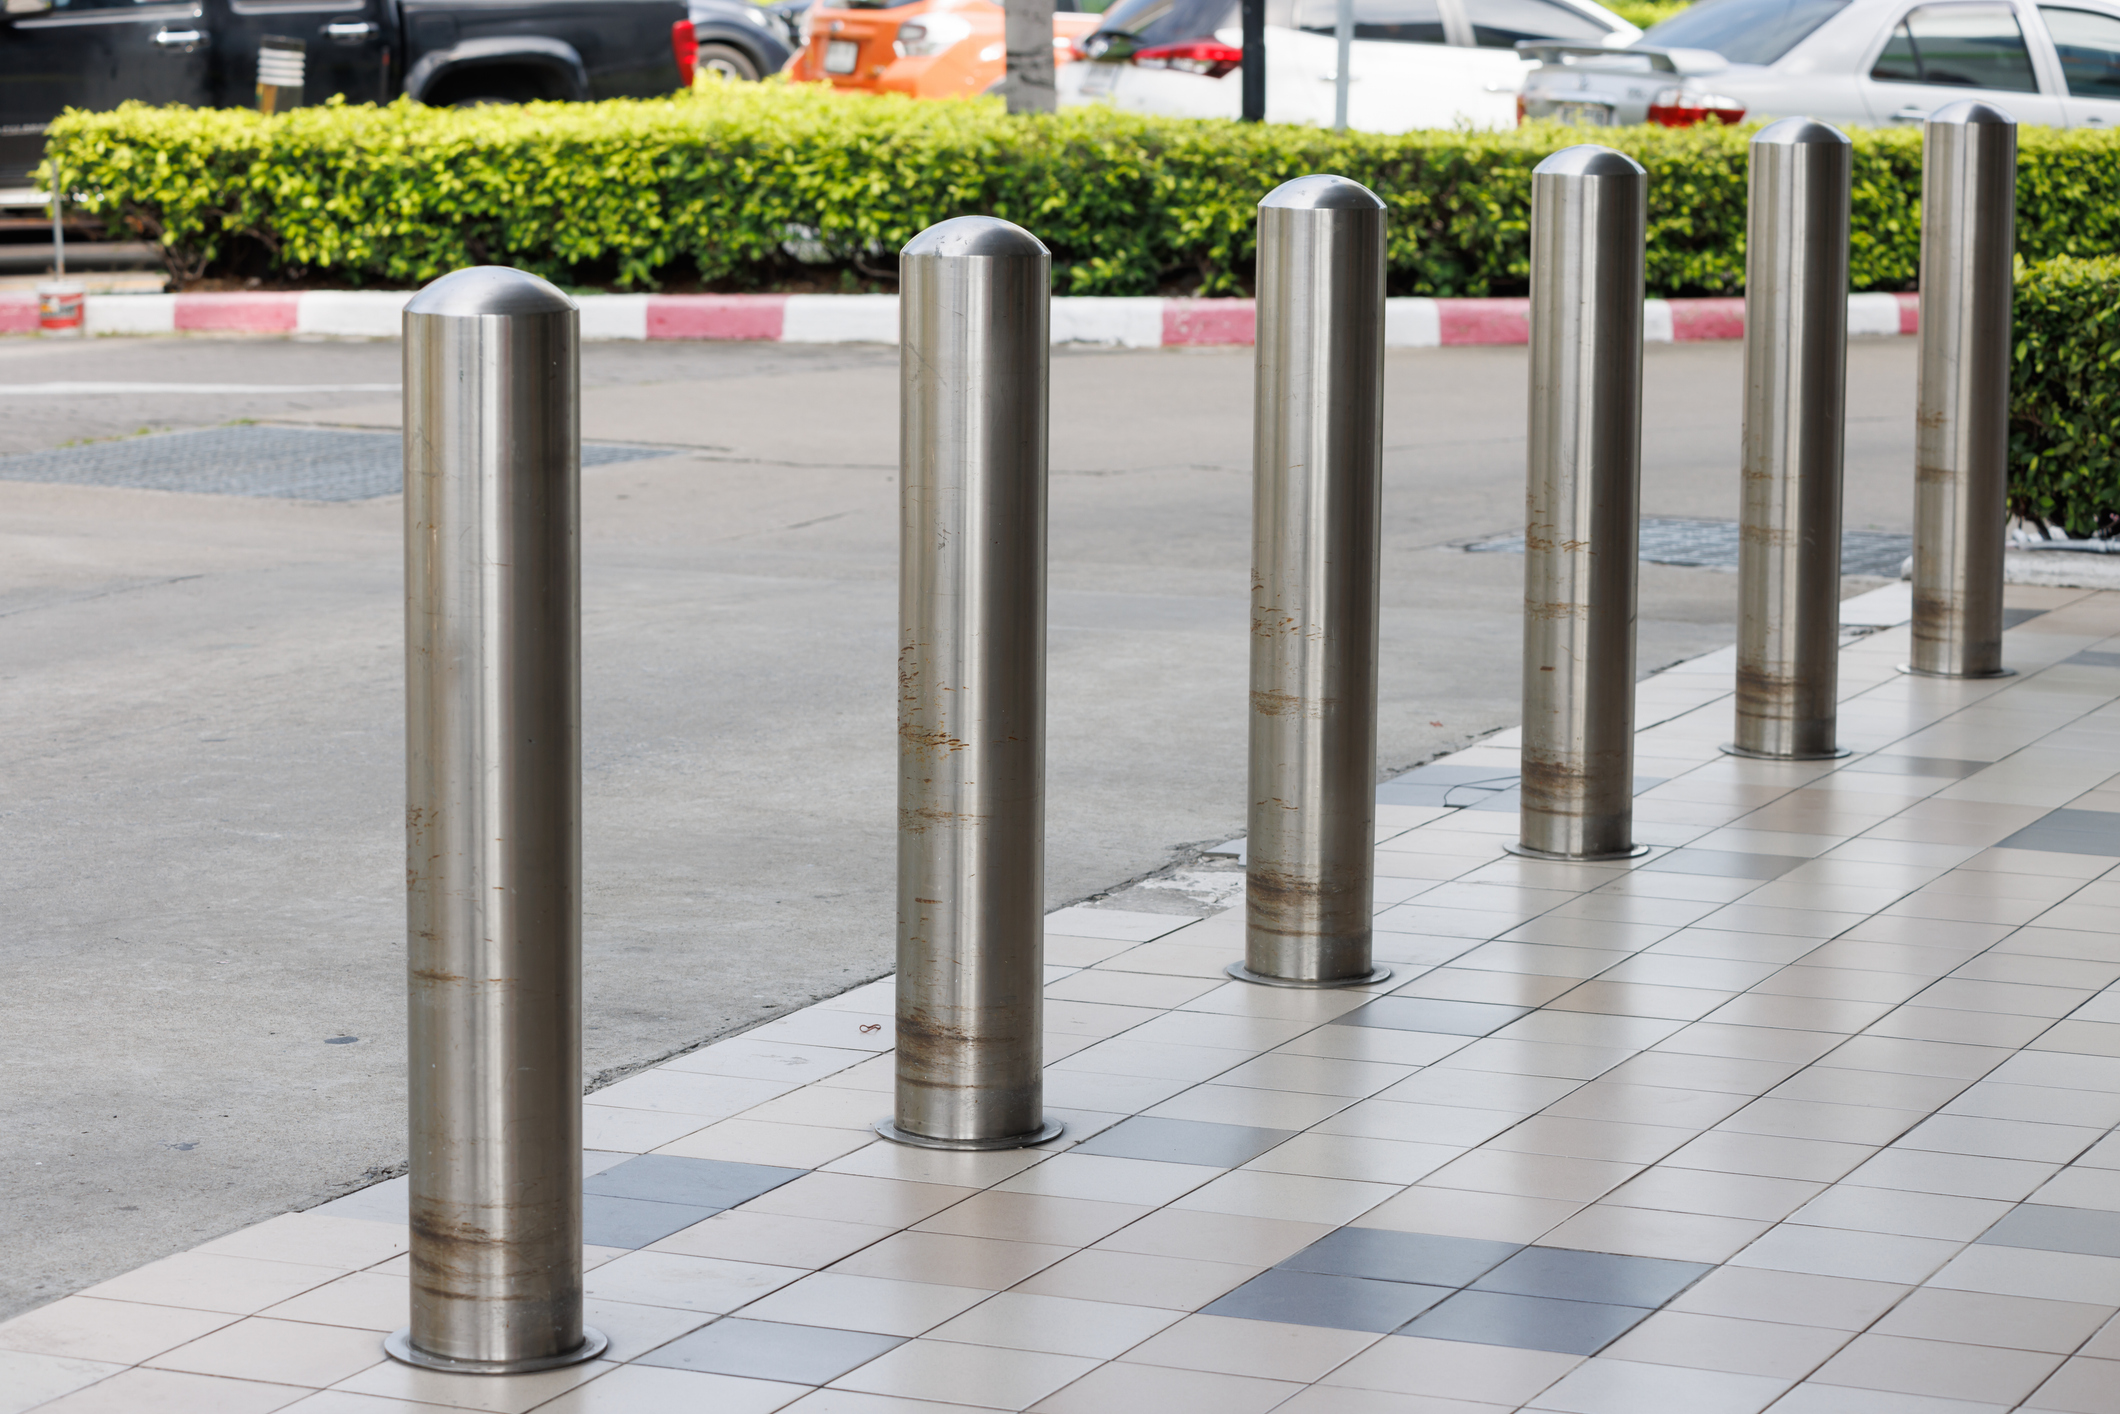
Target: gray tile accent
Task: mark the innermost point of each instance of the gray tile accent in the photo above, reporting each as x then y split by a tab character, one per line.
1401	1256
1724	863
595	1161
1445	785
1318	1299
635	1222
1915	765
1455	776
385	1202
1425	1014
2013	617
1184	1141
2091	1231
700	1183
2070	832
769	1350
2094	658
1391	793
1527	1322
1569	1275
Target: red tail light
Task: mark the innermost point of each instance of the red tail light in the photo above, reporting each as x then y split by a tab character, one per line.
1202	56
1676	108
684	47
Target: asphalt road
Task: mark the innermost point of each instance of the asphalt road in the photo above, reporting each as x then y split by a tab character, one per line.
201	763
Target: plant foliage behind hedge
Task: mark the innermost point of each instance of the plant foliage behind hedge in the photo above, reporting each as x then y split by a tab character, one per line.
2065	397
717	180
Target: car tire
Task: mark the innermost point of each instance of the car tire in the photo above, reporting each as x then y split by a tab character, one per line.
726	62
482	88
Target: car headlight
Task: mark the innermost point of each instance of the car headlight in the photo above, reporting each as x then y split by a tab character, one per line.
931	34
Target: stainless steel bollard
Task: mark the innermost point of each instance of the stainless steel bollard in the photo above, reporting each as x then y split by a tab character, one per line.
1317	457
493	825
1961	424
974	300
1796	364
1582	528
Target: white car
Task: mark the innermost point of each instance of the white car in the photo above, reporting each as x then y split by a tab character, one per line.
1862	62
1413	63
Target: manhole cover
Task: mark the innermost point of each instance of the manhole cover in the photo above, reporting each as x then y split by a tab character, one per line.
1712	544
297	463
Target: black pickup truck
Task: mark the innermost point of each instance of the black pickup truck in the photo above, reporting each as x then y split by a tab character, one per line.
58	54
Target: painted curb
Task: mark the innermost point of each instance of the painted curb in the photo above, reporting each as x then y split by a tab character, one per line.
873	319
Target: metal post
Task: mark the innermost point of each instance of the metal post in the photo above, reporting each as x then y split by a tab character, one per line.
1796	358
1582	530
1961	424
1027	38
493	825
974	300
1343	40
1317	458
1252	72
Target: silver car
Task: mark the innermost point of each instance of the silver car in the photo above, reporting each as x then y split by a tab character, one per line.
1864	62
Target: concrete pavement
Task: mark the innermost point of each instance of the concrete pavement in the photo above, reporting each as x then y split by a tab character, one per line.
203	703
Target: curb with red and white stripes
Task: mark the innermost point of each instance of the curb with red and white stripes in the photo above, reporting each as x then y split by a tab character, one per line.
873	319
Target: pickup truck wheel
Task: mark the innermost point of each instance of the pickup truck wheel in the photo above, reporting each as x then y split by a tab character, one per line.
725	62
480	87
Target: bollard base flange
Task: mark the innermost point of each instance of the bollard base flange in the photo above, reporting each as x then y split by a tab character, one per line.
1913	672
1525	851
1366	979
398	1346
1731	748
1052	1129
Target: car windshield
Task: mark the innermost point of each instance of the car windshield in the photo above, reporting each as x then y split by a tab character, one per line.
1742	31
1169	21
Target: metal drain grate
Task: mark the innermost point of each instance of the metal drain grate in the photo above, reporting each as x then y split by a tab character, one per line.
1712	544
297	463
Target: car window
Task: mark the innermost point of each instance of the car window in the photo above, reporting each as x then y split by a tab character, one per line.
1965	46
103	4
2090	51
1743	31
1499	24
1402	21
1153	22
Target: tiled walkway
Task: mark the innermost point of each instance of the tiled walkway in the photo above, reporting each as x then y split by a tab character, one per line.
1807	1110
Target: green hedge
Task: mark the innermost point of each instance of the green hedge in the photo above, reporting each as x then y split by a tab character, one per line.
713	184
2065	397
1644	13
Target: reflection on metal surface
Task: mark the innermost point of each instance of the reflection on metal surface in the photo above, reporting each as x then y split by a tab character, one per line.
1796	353
1961	423
1588	208
493	825
971	688
1317	487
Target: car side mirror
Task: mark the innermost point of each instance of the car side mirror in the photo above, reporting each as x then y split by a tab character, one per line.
27	7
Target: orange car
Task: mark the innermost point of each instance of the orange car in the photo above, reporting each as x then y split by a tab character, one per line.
925	48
